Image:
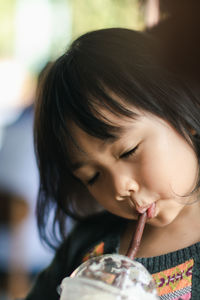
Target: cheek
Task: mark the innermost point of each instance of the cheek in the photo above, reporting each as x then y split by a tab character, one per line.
182	168
101	196
106	201
152	173
119	208
171	169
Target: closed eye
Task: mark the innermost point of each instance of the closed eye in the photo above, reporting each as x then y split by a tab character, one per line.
93	179
129	153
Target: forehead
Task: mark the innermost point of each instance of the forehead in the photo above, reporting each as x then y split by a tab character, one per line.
83	144
82	138
80	143
109	117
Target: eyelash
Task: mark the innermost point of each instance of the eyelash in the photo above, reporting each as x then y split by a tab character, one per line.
124	155
129	153
93	179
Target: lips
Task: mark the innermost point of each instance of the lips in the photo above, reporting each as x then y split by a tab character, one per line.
151	210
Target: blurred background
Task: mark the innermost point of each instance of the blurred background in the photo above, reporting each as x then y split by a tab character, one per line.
33	33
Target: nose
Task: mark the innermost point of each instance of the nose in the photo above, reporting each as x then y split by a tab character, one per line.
124	186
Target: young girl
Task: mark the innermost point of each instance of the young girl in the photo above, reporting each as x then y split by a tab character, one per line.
117	135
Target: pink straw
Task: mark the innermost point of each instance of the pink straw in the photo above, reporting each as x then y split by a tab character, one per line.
136	239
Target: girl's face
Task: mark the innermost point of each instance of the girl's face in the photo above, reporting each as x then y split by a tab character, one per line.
149	167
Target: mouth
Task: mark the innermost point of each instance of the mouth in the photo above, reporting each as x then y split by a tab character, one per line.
151	210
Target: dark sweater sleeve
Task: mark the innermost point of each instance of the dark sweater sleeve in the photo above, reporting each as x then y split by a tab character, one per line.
69	256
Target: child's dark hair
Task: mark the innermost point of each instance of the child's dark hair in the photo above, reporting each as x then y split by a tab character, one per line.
99	66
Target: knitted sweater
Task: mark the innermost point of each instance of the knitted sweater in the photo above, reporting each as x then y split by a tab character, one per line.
177	274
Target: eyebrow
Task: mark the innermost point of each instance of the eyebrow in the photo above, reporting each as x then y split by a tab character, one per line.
79	164
76	166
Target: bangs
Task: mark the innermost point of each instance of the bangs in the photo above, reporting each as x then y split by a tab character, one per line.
88	110
85	105
98	75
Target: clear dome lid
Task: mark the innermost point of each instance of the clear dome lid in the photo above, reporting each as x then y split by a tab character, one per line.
111	274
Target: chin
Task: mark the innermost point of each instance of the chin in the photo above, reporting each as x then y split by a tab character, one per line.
162	221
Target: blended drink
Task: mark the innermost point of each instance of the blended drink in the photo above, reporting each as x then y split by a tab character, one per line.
109	277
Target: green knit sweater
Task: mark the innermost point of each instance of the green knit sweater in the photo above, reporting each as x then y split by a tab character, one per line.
177	274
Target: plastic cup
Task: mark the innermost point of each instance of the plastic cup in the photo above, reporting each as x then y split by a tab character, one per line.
109	277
